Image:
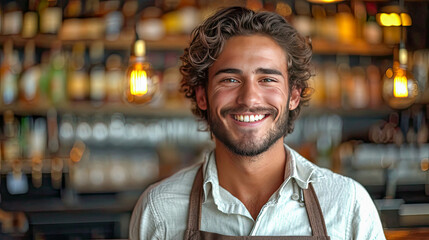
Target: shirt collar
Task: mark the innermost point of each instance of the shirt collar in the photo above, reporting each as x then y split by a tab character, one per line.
302	170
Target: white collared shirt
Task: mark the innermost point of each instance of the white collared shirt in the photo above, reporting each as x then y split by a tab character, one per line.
162	210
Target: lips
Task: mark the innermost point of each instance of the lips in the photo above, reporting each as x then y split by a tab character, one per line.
248	117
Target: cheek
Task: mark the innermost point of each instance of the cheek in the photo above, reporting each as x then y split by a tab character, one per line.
220	99
277	97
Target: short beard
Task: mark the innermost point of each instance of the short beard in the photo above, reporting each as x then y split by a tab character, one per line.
250	148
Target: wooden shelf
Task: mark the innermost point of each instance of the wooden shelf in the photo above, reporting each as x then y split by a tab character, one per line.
358	47
179	42
350	112
124	42
87	108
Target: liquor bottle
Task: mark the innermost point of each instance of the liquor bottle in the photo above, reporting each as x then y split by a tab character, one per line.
51	16
114	22
97	76
77	77
114	77
73	9
11	148
91	8
67	134
57	75
373	76
372	31
12	19
52	127
333	85
346	24
37	150
31	21
30	76
359	95
129	10
45	77
25	128
9	74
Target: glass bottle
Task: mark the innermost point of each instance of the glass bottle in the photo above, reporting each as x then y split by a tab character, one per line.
51	16
114	23
12	19
30	21
9	74
57	75
73	9
11	147
78	79
114	78
97	73
30	76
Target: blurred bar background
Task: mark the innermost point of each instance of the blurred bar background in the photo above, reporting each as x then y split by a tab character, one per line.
74	157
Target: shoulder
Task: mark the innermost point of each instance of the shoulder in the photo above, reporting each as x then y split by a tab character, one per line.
340	187
177	185
173	189
163	205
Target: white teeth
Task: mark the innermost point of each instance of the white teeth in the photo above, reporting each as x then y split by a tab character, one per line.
249	118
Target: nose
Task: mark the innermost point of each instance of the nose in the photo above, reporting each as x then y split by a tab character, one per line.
249	94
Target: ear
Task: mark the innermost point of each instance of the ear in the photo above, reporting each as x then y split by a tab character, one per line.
295	97
201	98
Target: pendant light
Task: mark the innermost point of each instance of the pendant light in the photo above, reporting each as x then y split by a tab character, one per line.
400	89
140	82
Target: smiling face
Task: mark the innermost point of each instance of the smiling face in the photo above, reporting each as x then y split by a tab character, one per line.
247	97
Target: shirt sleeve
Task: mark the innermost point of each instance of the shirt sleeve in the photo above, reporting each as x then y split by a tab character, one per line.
145	223
366	224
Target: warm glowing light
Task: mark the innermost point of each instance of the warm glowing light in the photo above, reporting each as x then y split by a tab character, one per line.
389	73
400	86
138	82
394	19
391	19
406	19
325	1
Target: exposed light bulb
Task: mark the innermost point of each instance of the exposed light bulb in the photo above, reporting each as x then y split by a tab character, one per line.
140	82
400	84
399	87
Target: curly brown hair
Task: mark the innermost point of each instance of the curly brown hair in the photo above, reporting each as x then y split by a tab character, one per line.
209	38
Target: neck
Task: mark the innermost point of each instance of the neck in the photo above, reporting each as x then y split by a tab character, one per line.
253	180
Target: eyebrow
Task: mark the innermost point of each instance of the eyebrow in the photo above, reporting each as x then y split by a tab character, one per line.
259	71
229	70
268	71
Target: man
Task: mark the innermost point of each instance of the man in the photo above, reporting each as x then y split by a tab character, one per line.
247	75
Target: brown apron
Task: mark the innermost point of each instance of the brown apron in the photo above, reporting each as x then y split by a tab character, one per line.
193	232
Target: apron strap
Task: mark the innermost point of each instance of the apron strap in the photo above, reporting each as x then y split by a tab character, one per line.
314	212
195	202
312	207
